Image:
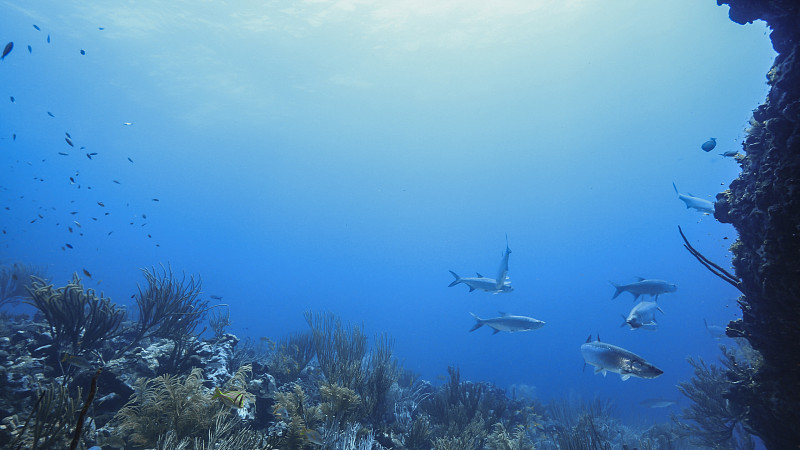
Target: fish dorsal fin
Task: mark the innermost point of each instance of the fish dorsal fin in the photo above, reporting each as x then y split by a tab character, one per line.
598	337
503	313
479	275
589	339
641	278
495	331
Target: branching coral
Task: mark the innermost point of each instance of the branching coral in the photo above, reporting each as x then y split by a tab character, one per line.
302	416
51	422
15	281
340	350
712	420
169	404
382	373
79	321
338	402
500	439
292	354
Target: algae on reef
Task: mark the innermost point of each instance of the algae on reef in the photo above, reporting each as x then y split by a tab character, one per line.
763	204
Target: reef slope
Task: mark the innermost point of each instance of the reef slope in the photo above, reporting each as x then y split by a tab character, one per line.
763	204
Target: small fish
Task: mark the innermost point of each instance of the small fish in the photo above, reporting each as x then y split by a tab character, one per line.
93	153
68	135
215	297
68	245
115	181
129	159
40	216
37	27
7	50
101	28
69	141
74	212
77	361
63	154
101	204
281	414
70	229
232	399
86	272
77	223
156	200
89	155
313	436
83	52
658	403
144	216
709	144
34	220
48	38
729	154
14	137
30	50
13	100
127	124
109	233
71	180
50	114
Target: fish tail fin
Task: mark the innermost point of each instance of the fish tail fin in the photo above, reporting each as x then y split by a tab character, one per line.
705	322
456	281
675	187
619	290
217	393
478	322
624	321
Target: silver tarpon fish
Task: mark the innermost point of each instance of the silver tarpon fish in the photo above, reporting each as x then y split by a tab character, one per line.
653	288
497	285
643	315
610	358
715	331
482	283
507	322
696	203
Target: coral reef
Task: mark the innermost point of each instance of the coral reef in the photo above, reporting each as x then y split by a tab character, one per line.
354	396
763	204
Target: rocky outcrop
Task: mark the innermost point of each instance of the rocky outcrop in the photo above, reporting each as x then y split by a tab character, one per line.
763	203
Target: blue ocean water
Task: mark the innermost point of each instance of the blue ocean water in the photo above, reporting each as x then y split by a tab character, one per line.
343	156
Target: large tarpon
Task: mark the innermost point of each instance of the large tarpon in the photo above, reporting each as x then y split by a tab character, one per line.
643	315
695	203
502	272
500	284
507	322
610	358
653	288
482	283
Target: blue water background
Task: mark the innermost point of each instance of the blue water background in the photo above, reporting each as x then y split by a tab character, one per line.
343	156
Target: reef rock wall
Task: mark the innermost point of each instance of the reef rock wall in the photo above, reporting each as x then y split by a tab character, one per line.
763	203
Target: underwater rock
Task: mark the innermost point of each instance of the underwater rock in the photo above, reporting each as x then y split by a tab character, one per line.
763	204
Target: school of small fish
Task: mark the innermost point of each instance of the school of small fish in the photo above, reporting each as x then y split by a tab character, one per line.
86	198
